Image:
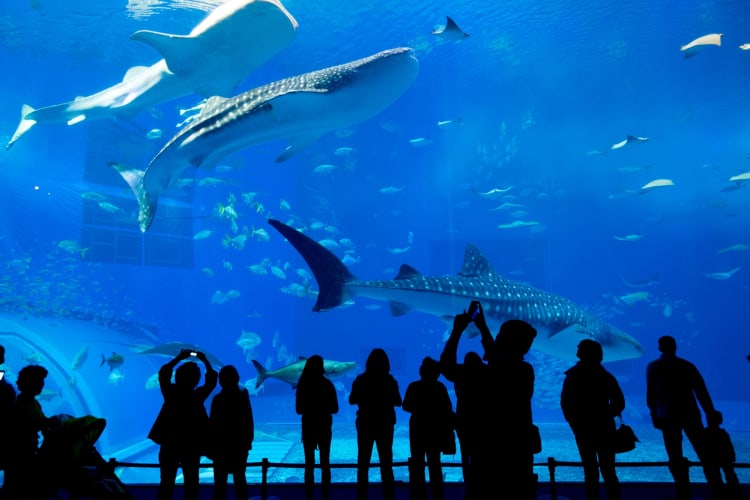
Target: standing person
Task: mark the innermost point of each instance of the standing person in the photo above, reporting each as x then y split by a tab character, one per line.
23	477
376	393
317	403
510	448
231	431
181	428
7	401
674	388
591	398
430	429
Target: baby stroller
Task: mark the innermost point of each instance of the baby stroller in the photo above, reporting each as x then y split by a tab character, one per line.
72	466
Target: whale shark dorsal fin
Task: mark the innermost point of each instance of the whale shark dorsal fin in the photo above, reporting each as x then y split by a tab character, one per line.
398	308
177	50
475	263
406	272
133	72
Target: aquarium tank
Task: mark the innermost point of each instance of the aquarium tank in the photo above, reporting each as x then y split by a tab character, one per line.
265	181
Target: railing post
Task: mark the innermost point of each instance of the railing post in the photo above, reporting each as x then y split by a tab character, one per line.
551	465
264	479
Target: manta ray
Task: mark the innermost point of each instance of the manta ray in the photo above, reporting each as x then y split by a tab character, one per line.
298	109
560	323
235	39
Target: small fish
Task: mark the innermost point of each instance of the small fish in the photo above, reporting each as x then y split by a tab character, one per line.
722	276
692	48
260	234
116	377
49	394
450	124
284	205
745	46
109	207
398	251
655	184
114	361
420	142
153	381
495	193
248	341
325	168
450	31
632	298
740	178
278	272
202	235
518	223
80	358
154	133
345	151
391	190
93	196
208	272
629	237
71	246
734	248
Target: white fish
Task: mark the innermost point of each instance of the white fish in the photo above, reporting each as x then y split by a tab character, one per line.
628	140
235	38
80	358
495	193
629	237
656	183
734	248
345	151
518	223
722	276
116	377
740	178
202	235
745	46
699	43
420	142
154	133
450	124
398	251
325	168
391	190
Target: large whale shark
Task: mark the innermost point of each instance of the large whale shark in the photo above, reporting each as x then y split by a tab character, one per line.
299	109
235	38
560	323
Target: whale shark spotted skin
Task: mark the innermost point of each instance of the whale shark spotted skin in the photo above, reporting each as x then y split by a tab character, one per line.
235	39
299	109
560	323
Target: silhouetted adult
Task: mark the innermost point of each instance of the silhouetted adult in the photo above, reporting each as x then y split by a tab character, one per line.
590	400
181	428
474	407
7	400
674	388
430	429
509	448
317	403
23	476
376	394
231	431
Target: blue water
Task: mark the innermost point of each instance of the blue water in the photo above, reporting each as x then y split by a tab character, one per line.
535	87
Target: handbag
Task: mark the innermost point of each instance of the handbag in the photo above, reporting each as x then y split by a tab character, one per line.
624	438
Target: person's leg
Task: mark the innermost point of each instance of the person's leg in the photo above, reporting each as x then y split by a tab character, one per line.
325	465
221	472
167	472
308	446
384	443
190	462
696	434
238	475
609	474
365	442
678	465
417	485
587	451
436	474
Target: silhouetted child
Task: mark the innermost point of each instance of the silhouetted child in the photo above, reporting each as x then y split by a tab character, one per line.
720	448
376	393
430	429
317	403
23	477
181	428
232	432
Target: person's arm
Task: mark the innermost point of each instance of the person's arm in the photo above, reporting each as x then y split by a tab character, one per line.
397	401
333	406
488	343
651	390
165	372
701	392
616	398
408	404
211	377
354	394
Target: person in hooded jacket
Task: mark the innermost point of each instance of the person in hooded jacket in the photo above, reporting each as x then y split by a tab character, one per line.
591	398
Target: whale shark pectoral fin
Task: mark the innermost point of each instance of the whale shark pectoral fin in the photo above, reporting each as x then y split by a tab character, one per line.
296	145
147	202
23	127
398	308
179	51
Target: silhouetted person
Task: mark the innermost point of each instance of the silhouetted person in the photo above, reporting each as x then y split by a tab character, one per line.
7	400
317	403
376	393
721	450
23	476
430	429
473	407
590	400
231	431
509	447
674	387
181	428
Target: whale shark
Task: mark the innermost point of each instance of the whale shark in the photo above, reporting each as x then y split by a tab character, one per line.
560	323
233	40
299	109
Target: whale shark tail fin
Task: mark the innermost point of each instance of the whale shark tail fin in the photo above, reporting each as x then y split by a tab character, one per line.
331	274
146	202
23	127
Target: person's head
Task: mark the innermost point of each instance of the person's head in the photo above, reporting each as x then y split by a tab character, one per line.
667	344
430	369
515	337
377	362
590	351
187	375
314	367
229	377
472	359
31	379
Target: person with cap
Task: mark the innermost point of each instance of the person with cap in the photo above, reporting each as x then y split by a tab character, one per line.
591	398
674	389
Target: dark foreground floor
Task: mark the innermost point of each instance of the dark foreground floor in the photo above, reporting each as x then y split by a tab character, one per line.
454	491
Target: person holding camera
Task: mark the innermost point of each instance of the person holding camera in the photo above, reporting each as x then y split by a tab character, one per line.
181	428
